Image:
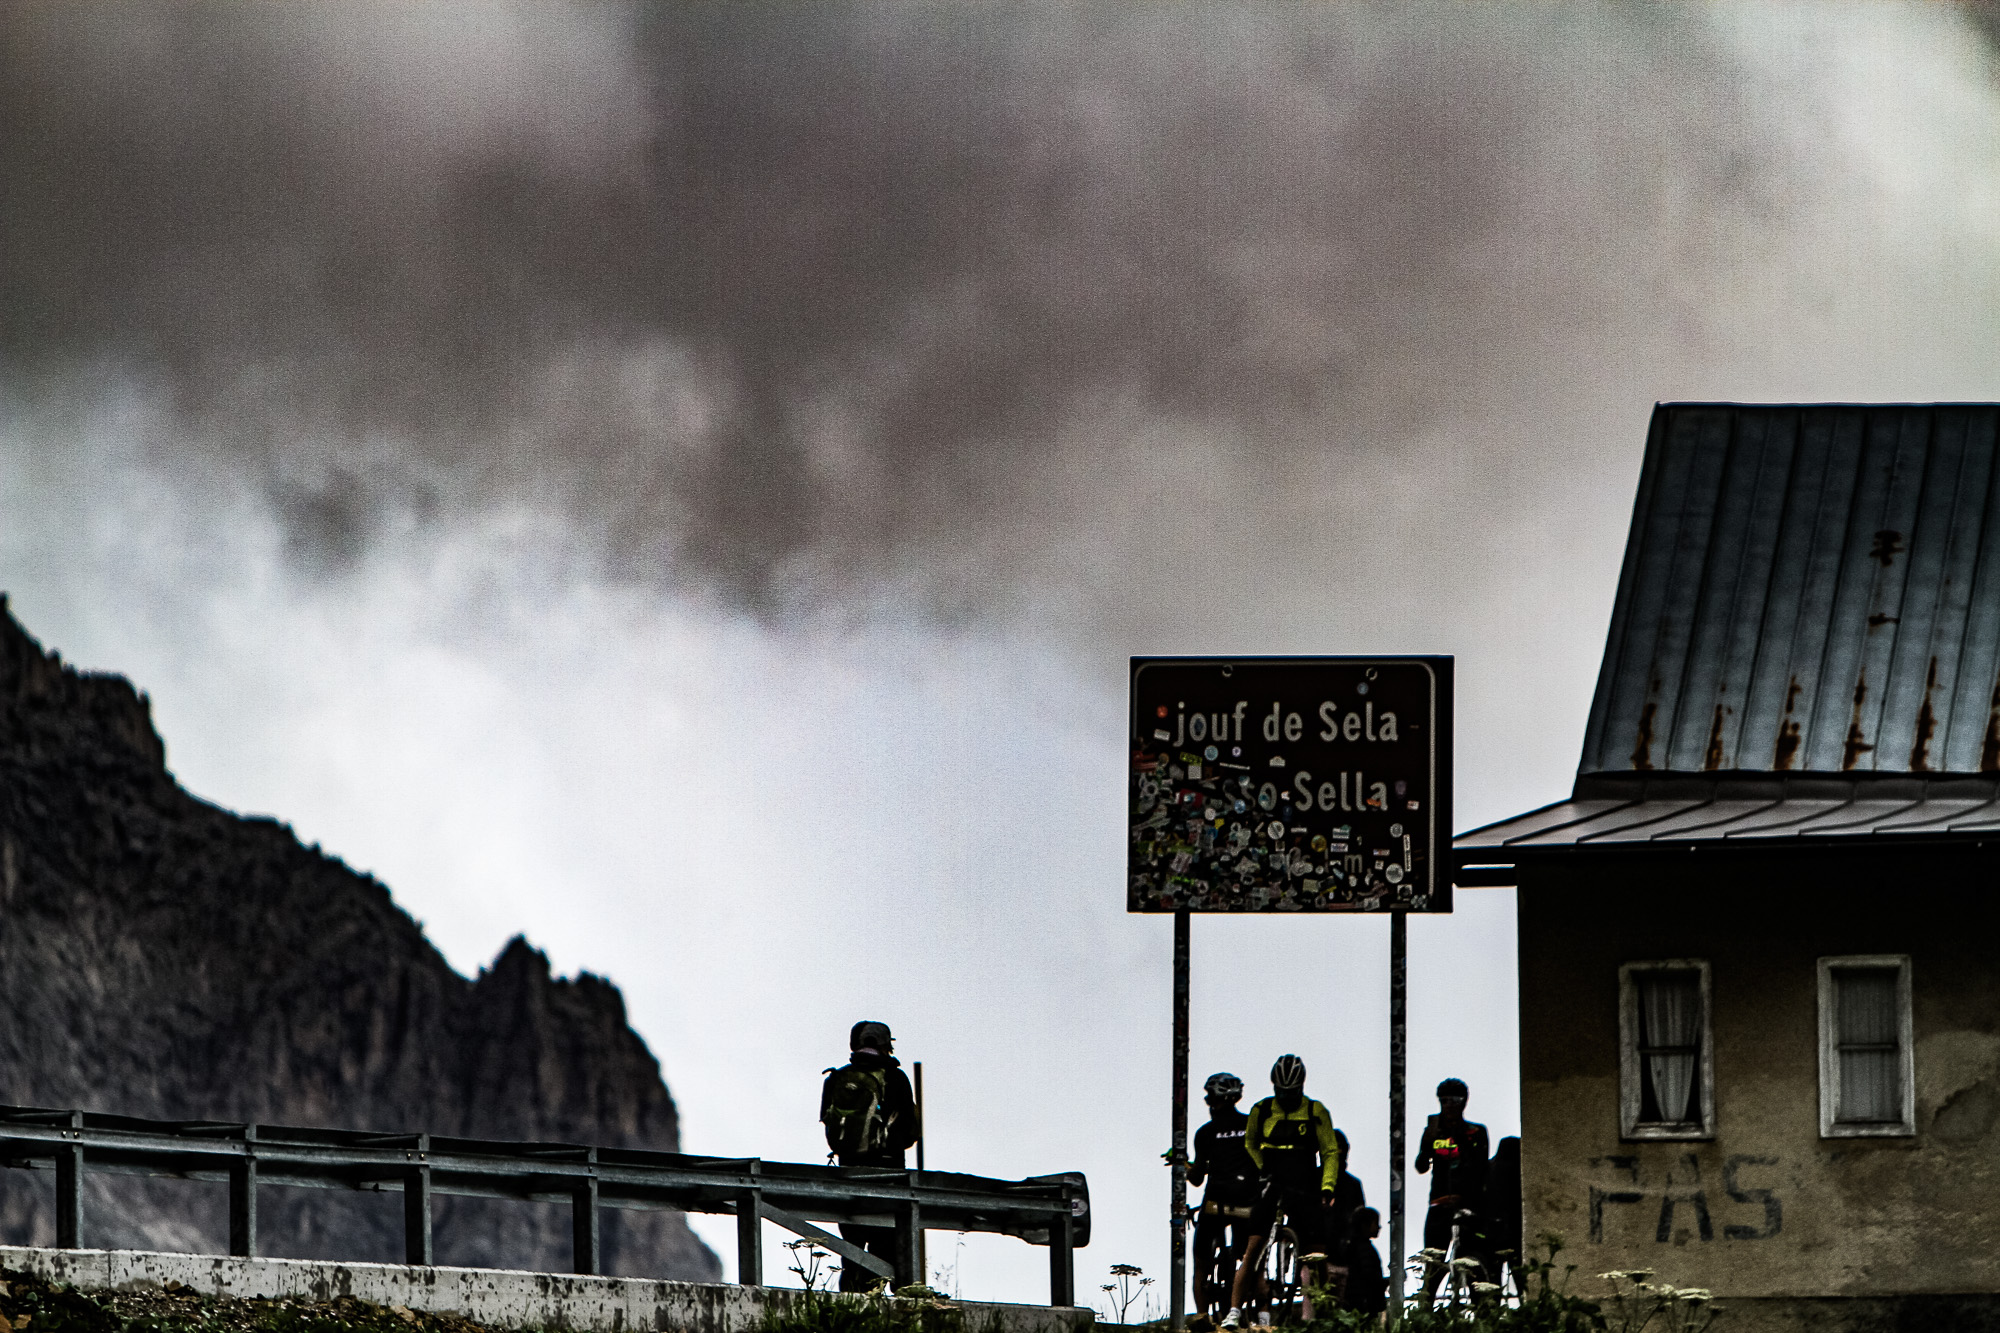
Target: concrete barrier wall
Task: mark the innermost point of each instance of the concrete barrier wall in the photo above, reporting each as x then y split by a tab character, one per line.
498	1298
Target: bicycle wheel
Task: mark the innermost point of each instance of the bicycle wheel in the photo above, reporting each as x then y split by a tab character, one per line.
1281	1275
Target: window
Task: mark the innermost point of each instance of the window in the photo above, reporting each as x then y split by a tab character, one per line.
1666	1065
1867	1076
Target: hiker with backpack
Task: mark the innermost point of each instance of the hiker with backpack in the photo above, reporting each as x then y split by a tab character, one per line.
870	1117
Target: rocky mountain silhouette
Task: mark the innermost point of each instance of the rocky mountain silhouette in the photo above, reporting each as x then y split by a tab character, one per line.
163	957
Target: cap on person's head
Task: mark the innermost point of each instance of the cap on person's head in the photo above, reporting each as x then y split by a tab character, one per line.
868	1032
1288	1073
1452	1087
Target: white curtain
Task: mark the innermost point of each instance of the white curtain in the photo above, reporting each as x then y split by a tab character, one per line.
1871	1084
1670	1015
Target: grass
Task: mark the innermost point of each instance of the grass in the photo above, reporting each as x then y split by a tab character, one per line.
30	1304
814	1309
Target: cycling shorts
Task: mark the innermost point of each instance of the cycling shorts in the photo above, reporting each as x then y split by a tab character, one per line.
1217	1235
1301	1207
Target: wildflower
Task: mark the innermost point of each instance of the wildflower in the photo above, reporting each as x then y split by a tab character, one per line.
1626	1275
1485	1288
1695	1294
1466	1265
1125	1270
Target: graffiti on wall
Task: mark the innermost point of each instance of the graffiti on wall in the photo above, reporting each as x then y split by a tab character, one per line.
1680	1199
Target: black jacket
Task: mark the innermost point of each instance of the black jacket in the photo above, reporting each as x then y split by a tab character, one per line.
1367	1286
1220	1160
1502	1205
1347	1196
1456	1159
898	1103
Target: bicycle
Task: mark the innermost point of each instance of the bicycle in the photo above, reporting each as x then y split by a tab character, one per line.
1215	1259
1278	1276
1462	1264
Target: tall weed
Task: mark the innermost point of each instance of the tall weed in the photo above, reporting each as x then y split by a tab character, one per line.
1636	1304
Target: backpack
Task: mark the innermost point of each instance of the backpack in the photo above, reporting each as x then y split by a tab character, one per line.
853	1111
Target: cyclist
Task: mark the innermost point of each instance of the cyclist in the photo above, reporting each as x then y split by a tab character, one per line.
1221	1161
1291	1142
1454	1152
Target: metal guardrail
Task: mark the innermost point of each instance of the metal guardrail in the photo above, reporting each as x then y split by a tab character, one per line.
1043	1210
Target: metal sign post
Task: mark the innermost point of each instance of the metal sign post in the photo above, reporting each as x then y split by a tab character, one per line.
1288	784
1177	1304
923	1248
1399	948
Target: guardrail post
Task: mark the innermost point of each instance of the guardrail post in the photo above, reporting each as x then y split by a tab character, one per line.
417	1205
750	1233
243	1198
587	1245
909	1240
69	1188
1062	1256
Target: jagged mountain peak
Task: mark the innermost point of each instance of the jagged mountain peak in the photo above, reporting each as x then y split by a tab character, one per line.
163	957
93	707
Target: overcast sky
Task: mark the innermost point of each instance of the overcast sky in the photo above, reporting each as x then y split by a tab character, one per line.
684	484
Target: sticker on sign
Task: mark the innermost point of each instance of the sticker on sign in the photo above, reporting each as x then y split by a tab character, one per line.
1290	784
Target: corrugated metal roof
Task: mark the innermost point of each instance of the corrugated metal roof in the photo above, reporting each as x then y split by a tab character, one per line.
1808	589
1628	812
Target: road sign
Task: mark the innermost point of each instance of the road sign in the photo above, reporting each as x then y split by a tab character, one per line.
1290	784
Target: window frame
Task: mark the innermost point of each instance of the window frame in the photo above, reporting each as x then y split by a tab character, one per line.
1630	1085
1829	1054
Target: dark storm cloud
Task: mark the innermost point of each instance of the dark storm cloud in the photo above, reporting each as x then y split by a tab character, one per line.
766	298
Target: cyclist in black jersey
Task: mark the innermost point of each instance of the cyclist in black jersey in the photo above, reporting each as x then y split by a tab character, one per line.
1221	1163
1454	1152
1291	1141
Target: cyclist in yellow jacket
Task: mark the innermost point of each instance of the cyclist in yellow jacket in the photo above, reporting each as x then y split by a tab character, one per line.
1291	1142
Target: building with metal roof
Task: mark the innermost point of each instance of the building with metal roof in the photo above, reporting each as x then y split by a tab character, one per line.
1806	641
1760	1007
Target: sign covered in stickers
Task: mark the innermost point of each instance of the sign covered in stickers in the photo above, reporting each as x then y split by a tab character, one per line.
1290	784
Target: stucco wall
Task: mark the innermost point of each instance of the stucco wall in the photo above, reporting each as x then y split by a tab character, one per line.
1767	1208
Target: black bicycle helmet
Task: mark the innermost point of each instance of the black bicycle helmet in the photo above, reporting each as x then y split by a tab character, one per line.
1288	1073
1223	1088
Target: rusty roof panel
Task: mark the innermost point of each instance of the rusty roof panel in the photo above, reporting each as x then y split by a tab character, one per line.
1808	589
